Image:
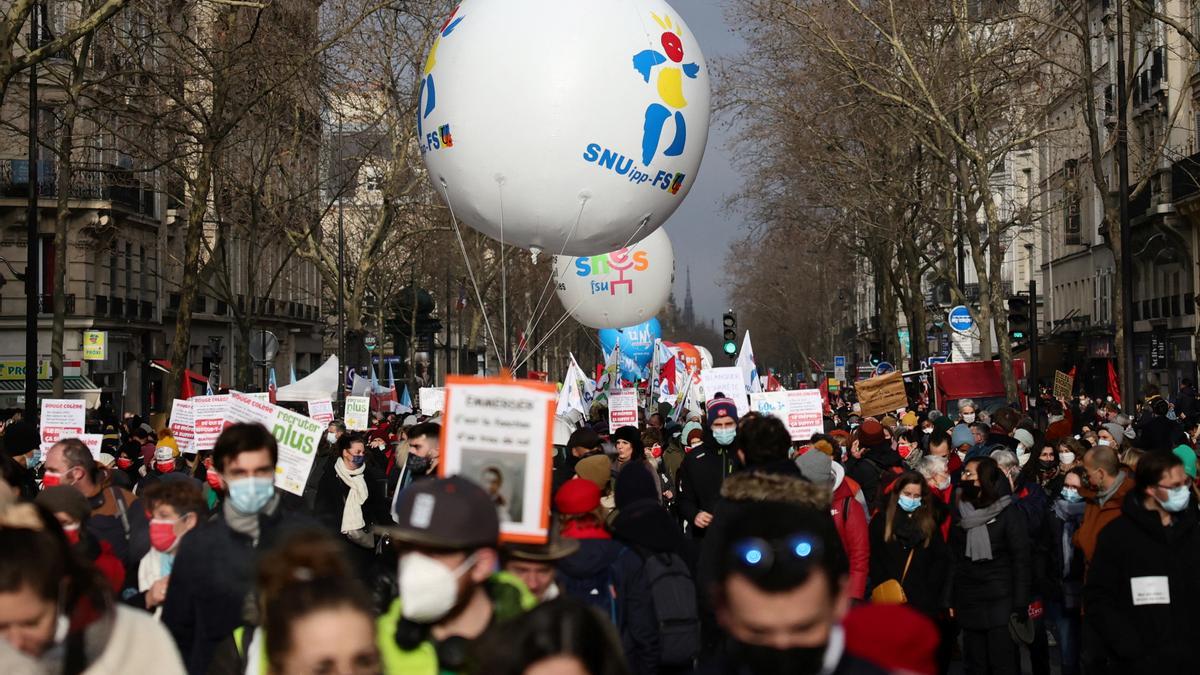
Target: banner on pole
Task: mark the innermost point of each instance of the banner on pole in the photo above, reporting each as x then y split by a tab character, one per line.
728	380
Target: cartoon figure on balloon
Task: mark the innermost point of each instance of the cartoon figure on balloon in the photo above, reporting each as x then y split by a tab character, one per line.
428	93
670	91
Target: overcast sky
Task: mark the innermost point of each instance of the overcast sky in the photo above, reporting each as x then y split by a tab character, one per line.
701	229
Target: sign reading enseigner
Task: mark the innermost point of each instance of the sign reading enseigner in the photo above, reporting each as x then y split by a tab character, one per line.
498	433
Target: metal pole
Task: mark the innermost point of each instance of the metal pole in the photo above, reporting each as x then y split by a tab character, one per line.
1032	377
446	318
262	368
341	298
1126	239
32	267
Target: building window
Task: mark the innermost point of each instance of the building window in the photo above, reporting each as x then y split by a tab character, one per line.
128	266
112	270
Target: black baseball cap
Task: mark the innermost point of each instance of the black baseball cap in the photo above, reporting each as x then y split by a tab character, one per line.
447	513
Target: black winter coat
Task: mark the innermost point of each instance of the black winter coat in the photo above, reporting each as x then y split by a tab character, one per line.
1147	636
987	592
699	481
869	472
212	582
925	585
331	498
1160	433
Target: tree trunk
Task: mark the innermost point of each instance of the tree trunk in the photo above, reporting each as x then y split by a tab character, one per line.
190	282
61	216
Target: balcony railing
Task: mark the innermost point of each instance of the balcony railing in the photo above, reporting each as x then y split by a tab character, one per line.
114	184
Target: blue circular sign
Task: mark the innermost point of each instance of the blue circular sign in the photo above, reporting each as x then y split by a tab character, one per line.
960	319
884	368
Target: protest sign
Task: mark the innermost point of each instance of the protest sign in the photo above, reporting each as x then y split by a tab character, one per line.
296	435
499	433
800	410
62	418
882	394
208	419
321	411
622	409
183	425
264	396
1063	385
730	381
431	400
357	413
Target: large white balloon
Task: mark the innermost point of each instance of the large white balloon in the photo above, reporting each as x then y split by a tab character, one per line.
569	127
622	288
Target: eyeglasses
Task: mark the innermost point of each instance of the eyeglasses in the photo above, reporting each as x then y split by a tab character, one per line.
792	556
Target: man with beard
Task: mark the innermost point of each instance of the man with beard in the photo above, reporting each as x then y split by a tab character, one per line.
446	534
421	460
781	593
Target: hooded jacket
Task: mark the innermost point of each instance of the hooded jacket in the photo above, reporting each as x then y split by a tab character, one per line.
851	521
1135	559
699	479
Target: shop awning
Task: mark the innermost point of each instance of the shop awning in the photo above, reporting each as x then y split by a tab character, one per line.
73	384
165	366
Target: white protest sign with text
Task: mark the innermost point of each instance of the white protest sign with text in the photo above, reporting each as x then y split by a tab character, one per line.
358	413
728	380
62	418
499	433
296	435
622	409
431	400
183	425
208	418
321	411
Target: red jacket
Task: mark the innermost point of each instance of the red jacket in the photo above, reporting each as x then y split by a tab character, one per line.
945	495
108	565
851	521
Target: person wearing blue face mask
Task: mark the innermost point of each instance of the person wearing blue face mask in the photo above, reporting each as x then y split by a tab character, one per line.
212	579
907	545
699	478
1140	596
351	499
1063	573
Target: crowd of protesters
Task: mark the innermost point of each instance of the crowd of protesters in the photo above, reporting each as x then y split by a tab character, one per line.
1004	540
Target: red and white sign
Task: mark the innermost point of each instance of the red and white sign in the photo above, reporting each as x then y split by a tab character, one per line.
62	418
321	411
622	409
208	417
183	425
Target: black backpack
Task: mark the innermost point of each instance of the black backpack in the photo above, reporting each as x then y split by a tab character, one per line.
597	591
675	608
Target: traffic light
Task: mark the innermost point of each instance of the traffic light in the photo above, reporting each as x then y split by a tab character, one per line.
876	348
729	336
1019	323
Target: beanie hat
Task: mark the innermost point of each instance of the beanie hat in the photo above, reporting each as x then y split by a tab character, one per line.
870	433
962	436
721	406
824	446
816	466
1115	430
894	637
688	429
64	499
1025	438
631	436
909	419
1188	456
889	422
596	468
577	496
695	435
943	424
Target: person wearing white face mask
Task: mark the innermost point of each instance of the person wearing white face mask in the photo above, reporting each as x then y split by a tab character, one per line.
213	574
966	411
1139	595
446	534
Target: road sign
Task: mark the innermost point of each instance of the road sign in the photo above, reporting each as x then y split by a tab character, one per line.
960	319
839	368
839	362
370	342
263	346
934	360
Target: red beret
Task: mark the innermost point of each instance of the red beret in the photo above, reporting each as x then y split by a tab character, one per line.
577	496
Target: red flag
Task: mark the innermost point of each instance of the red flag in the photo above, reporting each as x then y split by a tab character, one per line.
667	373
186	389
1114	386
1072	373
772	383
825	393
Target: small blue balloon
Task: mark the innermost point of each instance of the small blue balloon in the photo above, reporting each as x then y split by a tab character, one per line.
637	347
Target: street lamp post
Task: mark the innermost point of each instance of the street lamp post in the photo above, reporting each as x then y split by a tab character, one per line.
32	272
1126	238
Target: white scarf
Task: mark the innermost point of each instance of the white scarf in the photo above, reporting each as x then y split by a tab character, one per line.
352	516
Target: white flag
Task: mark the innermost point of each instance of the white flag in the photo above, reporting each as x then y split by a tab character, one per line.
748	366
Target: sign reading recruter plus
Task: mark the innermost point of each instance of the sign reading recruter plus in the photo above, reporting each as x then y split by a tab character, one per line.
960	319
